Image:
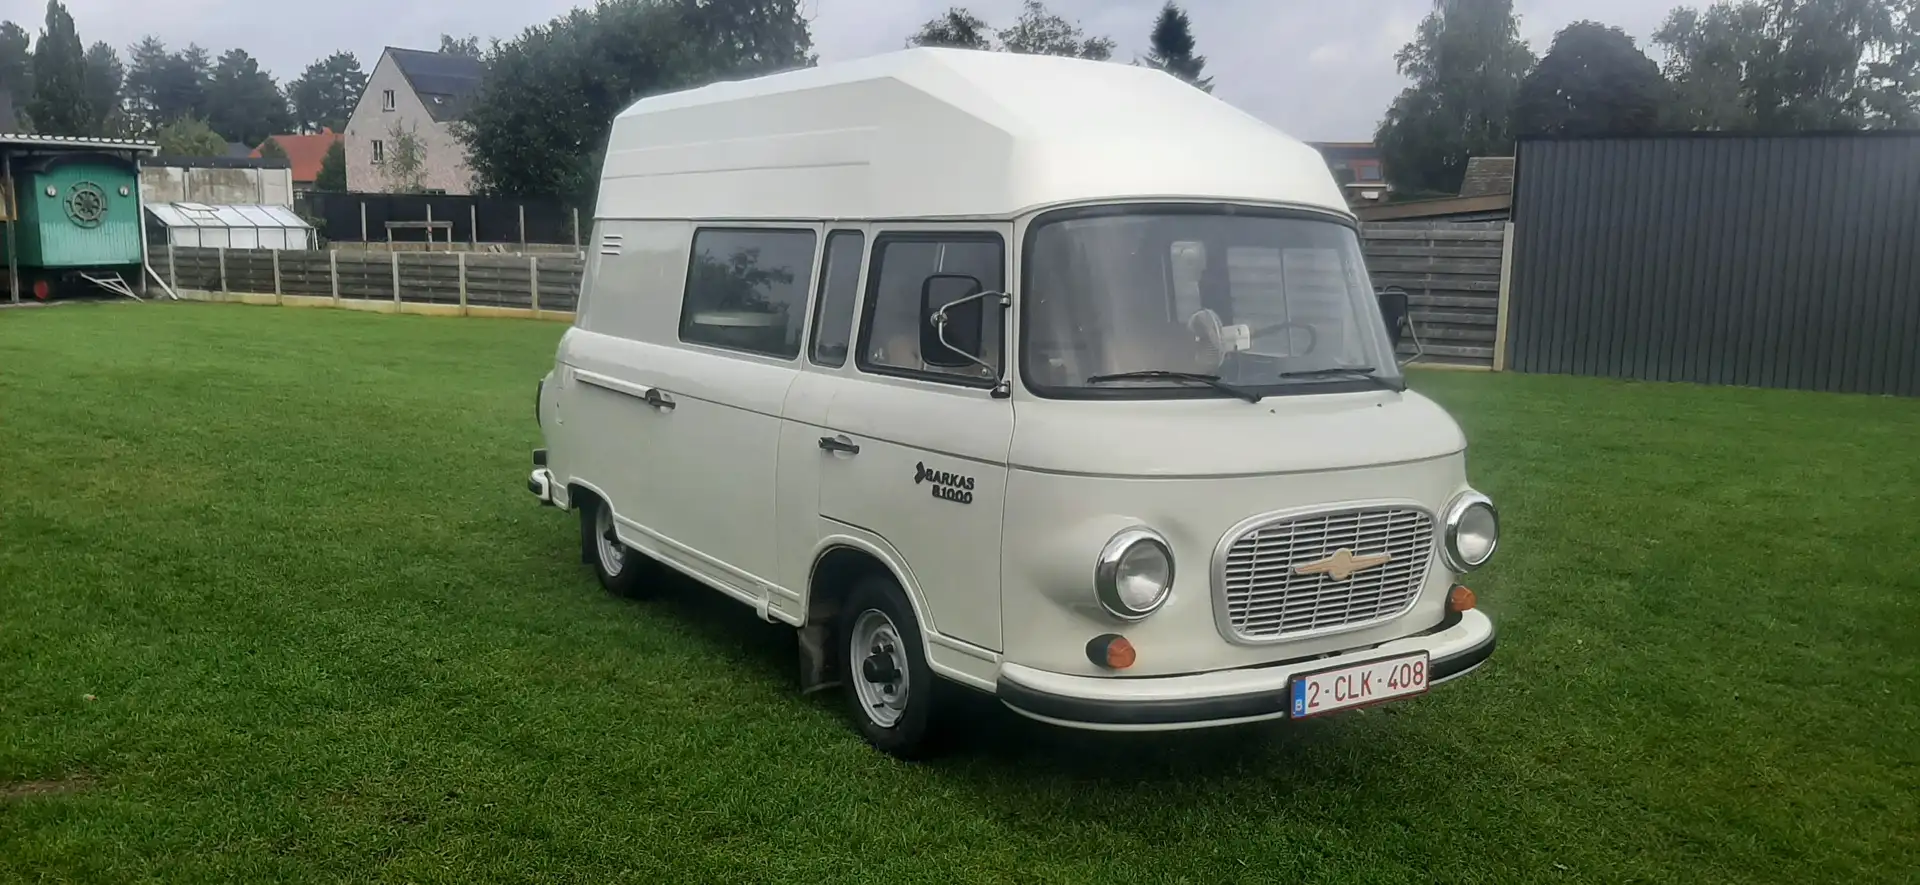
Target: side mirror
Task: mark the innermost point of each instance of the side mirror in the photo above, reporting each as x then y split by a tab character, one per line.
1393	310
954	306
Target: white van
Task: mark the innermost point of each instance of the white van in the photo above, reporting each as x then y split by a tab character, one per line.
1057	380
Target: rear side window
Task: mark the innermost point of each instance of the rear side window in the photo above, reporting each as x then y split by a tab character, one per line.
747	290
839	289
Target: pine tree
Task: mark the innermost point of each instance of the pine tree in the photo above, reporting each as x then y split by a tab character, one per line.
1172	47
60	105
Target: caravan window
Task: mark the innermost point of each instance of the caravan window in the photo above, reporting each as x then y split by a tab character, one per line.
839	289
747	290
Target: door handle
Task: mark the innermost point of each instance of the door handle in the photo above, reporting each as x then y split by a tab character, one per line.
658	400
839	444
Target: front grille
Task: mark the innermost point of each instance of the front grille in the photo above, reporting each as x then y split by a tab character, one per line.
1267	598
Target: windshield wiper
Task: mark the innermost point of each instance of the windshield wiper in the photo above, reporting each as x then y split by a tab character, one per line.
1212	381
1366	372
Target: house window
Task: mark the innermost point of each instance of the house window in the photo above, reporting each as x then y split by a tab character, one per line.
386	100
747	290
1366	172
379	151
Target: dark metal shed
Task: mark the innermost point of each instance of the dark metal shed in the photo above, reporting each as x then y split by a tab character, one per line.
1762	260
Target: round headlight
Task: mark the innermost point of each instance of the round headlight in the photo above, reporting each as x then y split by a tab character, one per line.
1134	574
1472	533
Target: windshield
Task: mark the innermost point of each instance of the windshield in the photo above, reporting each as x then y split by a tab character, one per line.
1266	302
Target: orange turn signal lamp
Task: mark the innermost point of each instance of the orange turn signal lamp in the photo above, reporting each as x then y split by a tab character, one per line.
1459	599
1110	650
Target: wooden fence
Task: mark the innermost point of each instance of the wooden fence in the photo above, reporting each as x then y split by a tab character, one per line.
1452	274
535	282
1451	271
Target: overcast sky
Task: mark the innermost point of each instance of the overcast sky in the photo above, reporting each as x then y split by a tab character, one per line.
1318	69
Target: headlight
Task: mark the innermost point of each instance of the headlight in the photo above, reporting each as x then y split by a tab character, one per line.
1472	532
1135	573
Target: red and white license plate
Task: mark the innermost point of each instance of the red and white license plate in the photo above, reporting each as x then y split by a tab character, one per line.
1359	685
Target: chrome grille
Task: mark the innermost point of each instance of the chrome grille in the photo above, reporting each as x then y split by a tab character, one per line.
1266	598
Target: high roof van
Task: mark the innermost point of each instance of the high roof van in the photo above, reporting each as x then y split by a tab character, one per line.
1056	380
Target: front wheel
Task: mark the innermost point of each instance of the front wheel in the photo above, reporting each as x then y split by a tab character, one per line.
891	691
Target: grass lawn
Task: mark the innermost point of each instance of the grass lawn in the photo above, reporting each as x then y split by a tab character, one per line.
275	606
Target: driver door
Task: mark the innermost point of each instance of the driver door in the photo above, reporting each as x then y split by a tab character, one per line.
915	447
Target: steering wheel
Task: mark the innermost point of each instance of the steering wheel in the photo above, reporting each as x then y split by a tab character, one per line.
1313	336
1212	338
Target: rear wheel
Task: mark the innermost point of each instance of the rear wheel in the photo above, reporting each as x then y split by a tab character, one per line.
621	569
891	691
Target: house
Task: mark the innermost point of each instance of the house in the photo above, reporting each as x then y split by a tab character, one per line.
305	154
1486	194
1358	168
418	94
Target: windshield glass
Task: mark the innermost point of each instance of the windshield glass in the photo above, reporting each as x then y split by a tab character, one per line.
1270	303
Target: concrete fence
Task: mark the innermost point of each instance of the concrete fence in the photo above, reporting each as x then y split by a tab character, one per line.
457	281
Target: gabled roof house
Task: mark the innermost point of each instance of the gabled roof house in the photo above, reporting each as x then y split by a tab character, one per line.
418	93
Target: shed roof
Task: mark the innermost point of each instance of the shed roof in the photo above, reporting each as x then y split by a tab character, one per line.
23	139
443	81
930	133
230	215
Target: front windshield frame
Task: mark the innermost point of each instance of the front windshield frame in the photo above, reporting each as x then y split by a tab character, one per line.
1387	370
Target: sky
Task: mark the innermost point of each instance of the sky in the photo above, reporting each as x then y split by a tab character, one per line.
1320	70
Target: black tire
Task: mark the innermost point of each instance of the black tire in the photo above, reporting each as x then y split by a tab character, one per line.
915	730
627	575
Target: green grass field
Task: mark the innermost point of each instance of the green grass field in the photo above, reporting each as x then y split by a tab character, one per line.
275	606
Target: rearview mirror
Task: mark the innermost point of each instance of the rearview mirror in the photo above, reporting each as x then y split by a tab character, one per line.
953	311
1393	311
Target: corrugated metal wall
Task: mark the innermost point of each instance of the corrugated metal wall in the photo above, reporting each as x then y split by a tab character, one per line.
1771	261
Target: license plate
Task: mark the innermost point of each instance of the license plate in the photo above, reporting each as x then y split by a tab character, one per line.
1359	685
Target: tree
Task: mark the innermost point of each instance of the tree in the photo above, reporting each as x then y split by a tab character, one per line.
957	29
164	86
1466	62
16	62
1592	81
271	149
540	120
243	102
1039	32
190	137
466	46
105	75
324	95
333	169
1794	64
1171	47
404	169
60	104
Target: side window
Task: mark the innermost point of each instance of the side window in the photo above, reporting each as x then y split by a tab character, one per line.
747	290
839	289
911	275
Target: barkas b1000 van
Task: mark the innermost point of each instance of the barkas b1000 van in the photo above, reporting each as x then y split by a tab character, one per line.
1057	380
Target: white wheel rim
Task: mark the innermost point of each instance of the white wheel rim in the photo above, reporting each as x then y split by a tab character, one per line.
880	671
613	554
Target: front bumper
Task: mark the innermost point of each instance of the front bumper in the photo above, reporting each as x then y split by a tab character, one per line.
1222	697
